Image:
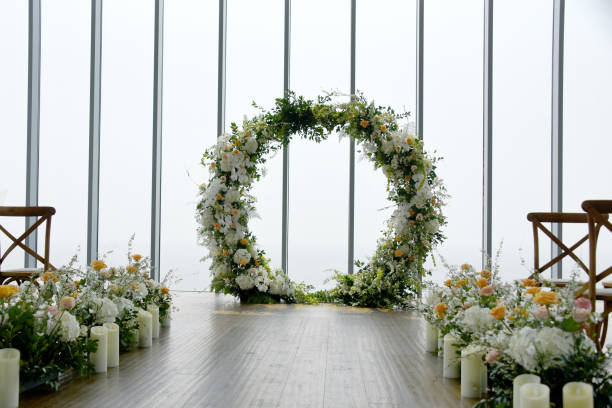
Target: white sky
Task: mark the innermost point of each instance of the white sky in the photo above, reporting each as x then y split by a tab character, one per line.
318	173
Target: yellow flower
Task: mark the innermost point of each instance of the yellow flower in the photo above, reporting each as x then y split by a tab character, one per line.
49	276
461	283
398	253
364	123
528	282
165	290
98	264
131	268
448	283
409	140
244	241
498	312
485	273
219	196
465	267
383	128
235	152
213	165
243	262
217	225
440	309
75	295
545	298
136	257
8	290
398	239
532	290
411	258
482	282
257	262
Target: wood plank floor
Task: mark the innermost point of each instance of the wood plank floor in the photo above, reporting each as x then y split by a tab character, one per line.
221	354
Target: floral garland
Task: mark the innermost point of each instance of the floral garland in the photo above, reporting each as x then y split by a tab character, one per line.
49	319
526	326
240	268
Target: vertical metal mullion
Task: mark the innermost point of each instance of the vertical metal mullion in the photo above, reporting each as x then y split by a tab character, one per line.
158	66
221	67
557	129
95	84
286	87
351	198
33	128
487	174
420	23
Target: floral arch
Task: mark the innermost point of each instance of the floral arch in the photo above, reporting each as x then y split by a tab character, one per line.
393	273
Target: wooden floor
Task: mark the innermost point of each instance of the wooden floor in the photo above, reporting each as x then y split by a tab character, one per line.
221	354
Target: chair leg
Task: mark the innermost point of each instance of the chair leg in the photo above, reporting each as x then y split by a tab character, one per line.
604	325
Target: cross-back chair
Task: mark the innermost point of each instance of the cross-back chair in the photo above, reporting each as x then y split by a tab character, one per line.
44	215
598	216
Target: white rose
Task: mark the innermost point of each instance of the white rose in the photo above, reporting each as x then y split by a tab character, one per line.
242	256
245	282
232	196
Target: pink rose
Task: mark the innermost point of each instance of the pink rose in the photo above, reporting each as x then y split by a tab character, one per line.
67	302
492	356
581	315
53	310
541	313
487	290
583	303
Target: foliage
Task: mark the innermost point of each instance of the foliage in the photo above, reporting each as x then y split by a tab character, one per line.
240	268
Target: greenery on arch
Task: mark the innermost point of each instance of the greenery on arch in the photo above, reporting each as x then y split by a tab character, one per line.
393	275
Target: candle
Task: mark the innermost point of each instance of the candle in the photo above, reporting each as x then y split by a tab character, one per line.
450	366
9	377
145	328
519	380
99	358
431	338
167	319
578	395
535	395
113	344
473	374
154	310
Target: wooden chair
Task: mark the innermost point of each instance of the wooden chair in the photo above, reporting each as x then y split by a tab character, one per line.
536	219
597	212
23	274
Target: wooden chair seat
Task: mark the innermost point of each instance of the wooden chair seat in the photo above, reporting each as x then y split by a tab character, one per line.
607	284
18	275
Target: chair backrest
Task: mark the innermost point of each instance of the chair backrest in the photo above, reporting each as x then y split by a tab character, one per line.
537	219
44	214
598	216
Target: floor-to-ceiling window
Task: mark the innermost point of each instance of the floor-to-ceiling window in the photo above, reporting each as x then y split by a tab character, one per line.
522	55
13	116
126	127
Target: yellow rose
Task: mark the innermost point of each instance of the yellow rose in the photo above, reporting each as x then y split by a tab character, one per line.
498	312
98	264
465	267
136	257
461	283
532	290
364	123
8	290
213	165
528	282
448	283
243	262
485	273
398	253
383	128
440	309
244	241
49	276
546	298
165	290
482	282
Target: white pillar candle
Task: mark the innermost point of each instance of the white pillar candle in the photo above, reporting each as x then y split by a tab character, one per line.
473	374
9	377
167	319
535	396
145	328
578	395
450	367
154	310
113	344
100	357
518	381
431	338
440	344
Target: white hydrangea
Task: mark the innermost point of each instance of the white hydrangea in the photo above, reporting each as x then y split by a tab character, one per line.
106	310
68	327
522	348
232	196
242	256
221	270
245	282
553	344
251	145
478	319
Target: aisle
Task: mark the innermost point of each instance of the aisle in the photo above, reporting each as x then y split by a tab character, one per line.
220	354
